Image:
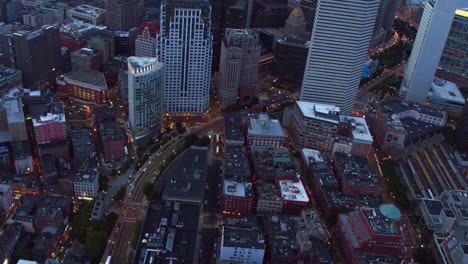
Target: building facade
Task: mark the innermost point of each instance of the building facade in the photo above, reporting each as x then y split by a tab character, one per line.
121	14
86	59
337	53
238	68
145	88
6	197
50	127
186	50
462	130
264	131
242	245
36	53
86	184
427	49
84	85
269	13
145	44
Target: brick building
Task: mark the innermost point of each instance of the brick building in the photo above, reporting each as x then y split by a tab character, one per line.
272	163
264	131
85	85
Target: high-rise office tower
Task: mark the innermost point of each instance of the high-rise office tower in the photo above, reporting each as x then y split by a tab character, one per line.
238	69
185	47
36	53
145	44
427	49
269	13
121	14
145	91
454	60
10	10
338	51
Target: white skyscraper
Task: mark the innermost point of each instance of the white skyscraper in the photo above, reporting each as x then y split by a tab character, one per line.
185	47
145	44
427	49
145	92
339	44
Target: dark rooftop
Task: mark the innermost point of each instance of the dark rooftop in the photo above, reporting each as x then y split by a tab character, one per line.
281	232
168	232
236	165
110	131
90	77
233	128
268	191
337	199
273	161
357	171
185	176
435	207
242	237
83	149
21	149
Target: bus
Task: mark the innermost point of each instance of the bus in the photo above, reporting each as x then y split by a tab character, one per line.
217	150
126	150
108	260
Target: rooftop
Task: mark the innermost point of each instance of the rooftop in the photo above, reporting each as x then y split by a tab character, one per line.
264	126
359	127
337	199
293	190
87	9
168	233
94	79
89	175
357	171
328	113
281	231
365	258
233	128
312	156
185	176
14	110
239	189
383	221
236	166
110	131
273	161
54	112
80	29
21	149
84	53
268	191
446	91
141	62
239	237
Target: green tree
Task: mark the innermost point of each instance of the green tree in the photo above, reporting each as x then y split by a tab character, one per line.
180	127
120	195
203	141
81	221
103	183
147	188
95	244
190	139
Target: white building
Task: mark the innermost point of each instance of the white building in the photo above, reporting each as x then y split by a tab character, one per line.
185	47
427	49
340	41
445	95
88	14
242	245
145	44
6	197
145	92
264	131
86	184
238	68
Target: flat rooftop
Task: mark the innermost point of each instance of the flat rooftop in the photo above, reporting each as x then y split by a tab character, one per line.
380	223
87	176
141	62
89	10
168	232
281	231
357	171
238	237
323	112
447	91
84	53
239	189
262	125
312	156
236	166
233	128
360	130
364	258
268	191
337	199
293	190
273	161
88	78
185	177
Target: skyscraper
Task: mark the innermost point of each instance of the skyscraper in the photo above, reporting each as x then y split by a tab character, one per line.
185	48
121	14
145	88
145	44
36	53
269	13
427	49
338	51
238	69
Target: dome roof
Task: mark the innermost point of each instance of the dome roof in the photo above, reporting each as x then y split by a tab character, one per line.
297	12
390	211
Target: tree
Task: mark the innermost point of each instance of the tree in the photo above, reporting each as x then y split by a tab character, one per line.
180	128
103	183
81	222
203	141
95	244
120	195
147	189
190	139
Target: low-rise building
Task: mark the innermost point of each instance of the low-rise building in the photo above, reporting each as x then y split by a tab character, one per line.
9	79
238	195
85	85
357	130
312	125
233	132
446	96
272	163
264	131
86	184
268	198
86	59
112	140
374	231
400	123
242	244
293	194
88	14
84	154
49	125
22	157
356	175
